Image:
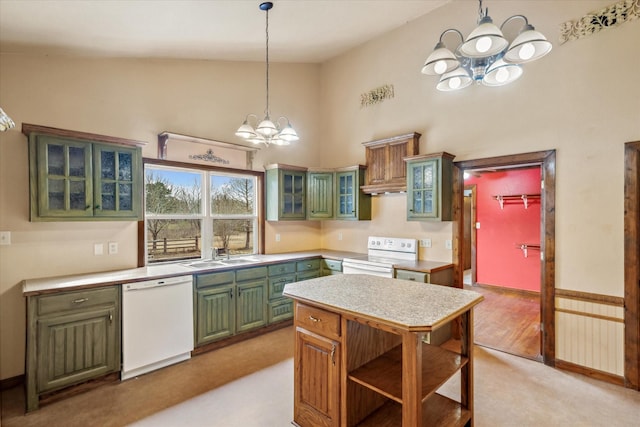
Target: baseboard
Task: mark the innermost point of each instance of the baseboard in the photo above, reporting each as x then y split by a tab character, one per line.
589	372
240	337
506	289
12	382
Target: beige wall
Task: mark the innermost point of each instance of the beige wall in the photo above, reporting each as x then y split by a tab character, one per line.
582	100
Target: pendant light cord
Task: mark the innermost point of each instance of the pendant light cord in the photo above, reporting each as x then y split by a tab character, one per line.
267	61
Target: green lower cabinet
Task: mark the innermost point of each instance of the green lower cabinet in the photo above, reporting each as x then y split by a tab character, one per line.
251	305
72	337
308	269
330	267
280	310
215	313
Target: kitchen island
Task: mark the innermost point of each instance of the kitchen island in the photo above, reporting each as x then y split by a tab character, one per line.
362	356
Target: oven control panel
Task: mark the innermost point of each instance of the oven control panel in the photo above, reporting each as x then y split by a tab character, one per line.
393	244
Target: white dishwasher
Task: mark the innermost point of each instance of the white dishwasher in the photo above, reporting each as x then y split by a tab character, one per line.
157	324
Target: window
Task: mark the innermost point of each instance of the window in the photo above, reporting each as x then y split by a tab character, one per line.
188	212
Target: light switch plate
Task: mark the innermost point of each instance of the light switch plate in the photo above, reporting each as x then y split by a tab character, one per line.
448	244
98	249
277	237
5	237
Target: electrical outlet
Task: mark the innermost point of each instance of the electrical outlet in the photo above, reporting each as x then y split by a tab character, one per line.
5	237
113	248
448	244
98	249
425	243
277	237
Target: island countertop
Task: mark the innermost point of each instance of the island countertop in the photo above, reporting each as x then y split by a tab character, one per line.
402	304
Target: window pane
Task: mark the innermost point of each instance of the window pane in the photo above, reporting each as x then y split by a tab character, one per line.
232	195
173	191
172	239
236	235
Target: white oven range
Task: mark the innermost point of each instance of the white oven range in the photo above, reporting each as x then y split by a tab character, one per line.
382	254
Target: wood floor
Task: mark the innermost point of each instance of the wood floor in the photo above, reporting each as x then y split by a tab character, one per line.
508	321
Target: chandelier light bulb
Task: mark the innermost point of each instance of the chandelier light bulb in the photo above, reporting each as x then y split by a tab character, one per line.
526	51
440	67
454	83
483	44
502	75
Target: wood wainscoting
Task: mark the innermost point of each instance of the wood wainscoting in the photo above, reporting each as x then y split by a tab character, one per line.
590	331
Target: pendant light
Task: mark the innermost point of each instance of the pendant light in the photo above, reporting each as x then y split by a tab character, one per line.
5	121
267	132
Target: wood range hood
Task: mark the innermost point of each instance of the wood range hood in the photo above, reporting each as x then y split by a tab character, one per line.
386	168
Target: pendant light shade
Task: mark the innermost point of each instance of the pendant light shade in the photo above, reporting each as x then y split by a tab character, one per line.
485	56
501	73
441	61
5	121
267	132
485	40
528	46
454	80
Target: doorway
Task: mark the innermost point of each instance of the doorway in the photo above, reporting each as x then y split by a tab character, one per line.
546	161
501	259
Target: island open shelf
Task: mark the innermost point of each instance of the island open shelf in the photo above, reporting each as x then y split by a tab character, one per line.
384	373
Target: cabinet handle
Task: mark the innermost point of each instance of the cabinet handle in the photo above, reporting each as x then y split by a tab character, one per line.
412	278
87	207
110	317
308	265
230	294
333	355
314	319
80	300
97	206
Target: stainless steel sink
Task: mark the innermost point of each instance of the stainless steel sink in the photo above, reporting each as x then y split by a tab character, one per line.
204	263
238	260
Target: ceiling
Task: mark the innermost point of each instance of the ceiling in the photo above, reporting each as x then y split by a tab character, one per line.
234	30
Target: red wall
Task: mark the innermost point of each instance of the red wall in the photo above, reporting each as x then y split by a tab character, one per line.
499	261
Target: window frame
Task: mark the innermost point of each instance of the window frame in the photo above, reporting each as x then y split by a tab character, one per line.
259	203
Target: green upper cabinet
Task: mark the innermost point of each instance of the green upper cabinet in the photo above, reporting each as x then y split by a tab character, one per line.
285	192
351	202
74	177
320	194
429	187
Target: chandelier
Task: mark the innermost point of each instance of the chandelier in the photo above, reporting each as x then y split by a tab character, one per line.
267	132
5	121
486	55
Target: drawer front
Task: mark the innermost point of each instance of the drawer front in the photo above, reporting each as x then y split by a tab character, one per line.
308	275
331	264
78	300
214	279
284	268
251	273
280	310
312	264
276	285
412	275
318	320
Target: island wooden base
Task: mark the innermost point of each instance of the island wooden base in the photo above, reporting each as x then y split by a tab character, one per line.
351	371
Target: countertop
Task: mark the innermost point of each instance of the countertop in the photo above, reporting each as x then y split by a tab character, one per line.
401	304
105	278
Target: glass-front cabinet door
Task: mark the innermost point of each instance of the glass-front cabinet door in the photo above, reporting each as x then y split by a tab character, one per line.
429	187
293	195
351	202
64	178
117	191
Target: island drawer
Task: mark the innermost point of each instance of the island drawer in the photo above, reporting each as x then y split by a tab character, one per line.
56	303
318	320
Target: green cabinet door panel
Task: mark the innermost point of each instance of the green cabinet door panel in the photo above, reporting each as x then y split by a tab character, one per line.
64	178
429	187
351	202
76	347
252	305
116	183
215	308
285	194
320	195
